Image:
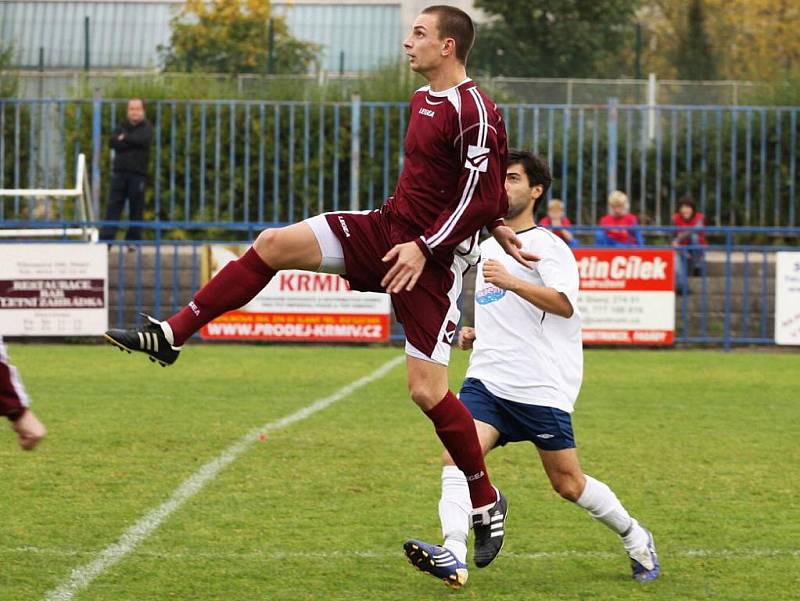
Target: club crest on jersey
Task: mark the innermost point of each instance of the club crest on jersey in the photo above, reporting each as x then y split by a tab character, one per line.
489	294
426	112
477	158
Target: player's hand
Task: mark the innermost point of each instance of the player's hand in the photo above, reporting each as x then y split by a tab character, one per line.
509	242
29	430
466	336
495	273
409	261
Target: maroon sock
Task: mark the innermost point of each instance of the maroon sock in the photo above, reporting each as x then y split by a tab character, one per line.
233	287
456	430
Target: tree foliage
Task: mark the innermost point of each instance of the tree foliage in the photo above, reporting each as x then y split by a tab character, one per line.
548	38
9	82
694	58
748	39
233	36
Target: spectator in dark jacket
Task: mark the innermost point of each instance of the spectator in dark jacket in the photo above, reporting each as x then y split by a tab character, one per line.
690	239
131	145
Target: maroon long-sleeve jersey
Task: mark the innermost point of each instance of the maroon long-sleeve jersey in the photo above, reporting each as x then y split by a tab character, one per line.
453	176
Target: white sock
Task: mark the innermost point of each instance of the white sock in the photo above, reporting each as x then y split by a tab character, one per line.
604	506
454	511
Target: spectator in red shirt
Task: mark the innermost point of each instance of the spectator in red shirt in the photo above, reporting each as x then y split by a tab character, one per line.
691	235
556	219
617	222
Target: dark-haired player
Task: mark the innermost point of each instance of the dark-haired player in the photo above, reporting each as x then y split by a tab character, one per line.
415	247
523	379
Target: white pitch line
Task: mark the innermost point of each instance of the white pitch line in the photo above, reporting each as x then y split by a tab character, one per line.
81	577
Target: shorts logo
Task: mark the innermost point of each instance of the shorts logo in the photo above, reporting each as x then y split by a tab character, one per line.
344	226
449	333
489	294
477	158
545	436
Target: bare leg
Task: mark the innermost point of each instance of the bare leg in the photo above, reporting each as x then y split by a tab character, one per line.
291	247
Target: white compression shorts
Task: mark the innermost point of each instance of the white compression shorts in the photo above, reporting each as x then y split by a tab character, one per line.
329	245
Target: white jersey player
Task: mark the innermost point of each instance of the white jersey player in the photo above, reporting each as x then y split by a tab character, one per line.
523	379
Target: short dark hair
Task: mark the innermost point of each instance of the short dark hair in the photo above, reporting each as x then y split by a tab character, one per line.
454	23
535	168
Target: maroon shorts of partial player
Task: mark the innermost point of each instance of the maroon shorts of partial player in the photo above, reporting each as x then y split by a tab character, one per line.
13	399
429	313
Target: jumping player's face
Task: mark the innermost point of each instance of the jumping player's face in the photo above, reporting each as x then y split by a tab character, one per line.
423	46
519	191
135	111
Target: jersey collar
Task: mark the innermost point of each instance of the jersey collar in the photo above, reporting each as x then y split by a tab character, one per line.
448	91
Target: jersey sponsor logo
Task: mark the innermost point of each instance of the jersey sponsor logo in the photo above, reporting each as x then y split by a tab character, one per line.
477	158
489	294
344	226
426	112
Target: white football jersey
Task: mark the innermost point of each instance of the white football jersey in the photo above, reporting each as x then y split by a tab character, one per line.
521	353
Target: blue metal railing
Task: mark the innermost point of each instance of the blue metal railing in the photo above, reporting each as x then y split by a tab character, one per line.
728	301
242	161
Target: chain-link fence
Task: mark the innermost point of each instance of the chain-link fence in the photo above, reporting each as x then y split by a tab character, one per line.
60	84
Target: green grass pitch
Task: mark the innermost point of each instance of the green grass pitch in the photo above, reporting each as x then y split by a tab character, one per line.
702	447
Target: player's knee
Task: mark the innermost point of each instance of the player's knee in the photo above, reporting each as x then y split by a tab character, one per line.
568	486
423	396
267	245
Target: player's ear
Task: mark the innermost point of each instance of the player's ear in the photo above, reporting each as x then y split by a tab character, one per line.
448	46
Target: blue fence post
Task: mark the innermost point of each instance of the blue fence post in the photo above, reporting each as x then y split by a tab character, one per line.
726	333
612	125
355	150
97	149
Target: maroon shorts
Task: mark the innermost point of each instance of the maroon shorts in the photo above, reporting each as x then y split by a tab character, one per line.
429	313
13	399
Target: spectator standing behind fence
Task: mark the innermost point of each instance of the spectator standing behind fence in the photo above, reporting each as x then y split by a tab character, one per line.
618	223
131	145
555	218
691	222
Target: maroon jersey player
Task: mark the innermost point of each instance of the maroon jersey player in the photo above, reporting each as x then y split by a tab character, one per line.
416	246
15	404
